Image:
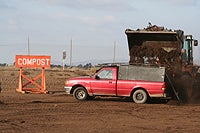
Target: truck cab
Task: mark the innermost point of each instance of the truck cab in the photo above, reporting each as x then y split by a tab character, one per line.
105	81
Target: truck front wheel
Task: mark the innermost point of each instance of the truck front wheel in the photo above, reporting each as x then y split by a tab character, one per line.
140	96
80	94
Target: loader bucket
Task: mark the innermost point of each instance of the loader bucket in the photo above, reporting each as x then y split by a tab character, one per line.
154	46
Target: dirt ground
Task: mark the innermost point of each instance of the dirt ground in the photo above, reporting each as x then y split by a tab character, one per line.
62	113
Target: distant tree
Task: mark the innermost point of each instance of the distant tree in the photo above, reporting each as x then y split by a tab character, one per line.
80	66
58	66
86	66
4	64
89	65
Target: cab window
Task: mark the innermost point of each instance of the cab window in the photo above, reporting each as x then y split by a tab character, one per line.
105	74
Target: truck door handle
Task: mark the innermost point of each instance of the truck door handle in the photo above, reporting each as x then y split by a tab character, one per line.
110	82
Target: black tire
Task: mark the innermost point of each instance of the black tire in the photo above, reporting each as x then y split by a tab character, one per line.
164	101
140	96
91	97
80	94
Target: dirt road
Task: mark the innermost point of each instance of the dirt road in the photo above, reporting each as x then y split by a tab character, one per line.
41	113
62	113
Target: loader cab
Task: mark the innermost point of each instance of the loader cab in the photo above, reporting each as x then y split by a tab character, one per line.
187	51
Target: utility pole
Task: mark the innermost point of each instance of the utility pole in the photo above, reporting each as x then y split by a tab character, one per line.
70	51
64	57
114	52
1	82
28	46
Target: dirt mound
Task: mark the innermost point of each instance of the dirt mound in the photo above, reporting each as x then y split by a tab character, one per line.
188	88
152	55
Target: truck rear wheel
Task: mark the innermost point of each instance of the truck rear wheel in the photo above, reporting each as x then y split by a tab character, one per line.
140	96
80	94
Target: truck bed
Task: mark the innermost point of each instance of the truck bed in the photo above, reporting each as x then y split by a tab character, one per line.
144	73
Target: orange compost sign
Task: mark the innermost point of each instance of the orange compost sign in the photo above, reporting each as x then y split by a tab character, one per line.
32	61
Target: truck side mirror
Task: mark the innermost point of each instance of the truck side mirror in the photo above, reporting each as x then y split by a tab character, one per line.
97	77
195	42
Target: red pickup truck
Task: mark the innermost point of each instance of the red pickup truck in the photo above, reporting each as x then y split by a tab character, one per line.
138	82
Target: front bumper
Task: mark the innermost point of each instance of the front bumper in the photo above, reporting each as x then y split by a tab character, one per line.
67	89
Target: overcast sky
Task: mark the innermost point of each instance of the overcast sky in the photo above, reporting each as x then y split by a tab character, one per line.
93	25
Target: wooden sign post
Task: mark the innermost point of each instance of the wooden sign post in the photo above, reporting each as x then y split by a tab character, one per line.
32	61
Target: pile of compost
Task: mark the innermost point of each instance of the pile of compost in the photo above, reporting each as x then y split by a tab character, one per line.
185	78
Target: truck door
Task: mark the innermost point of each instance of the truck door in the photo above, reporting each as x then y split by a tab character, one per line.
104	82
